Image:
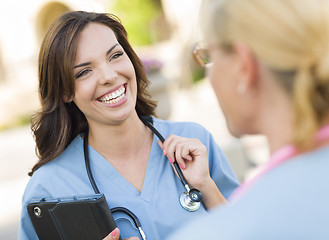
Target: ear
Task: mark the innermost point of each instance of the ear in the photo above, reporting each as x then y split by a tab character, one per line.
247	68
67	99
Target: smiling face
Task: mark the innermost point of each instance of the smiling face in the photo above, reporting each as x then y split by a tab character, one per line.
105	82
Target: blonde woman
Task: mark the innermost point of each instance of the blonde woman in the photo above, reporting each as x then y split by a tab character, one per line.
270	72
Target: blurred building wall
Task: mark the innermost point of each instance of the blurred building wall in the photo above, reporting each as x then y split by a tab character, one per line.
22	26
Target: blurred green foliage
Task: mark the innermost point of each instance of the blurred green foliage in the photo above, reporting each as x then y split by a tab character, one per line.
139	18
198	74
17	122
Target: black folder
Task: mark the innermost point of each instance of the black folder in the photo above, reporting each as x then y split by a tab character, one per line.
84	217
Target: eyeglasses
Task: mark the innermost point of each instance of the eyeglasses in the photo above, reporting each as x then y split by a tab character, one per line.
201	55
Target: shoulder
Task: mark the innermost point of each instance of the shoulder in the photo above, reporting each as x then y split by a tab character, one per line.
190	130
292	185
68	159
287	203
56	174
184	129
307	168
210	226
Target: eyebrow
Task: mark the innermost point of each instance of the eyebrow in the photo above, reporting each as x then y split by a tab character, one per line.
107	53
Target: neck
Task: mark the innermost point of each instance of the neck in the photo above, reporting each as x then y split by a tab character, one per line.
121	141
278	137
321	138
276	121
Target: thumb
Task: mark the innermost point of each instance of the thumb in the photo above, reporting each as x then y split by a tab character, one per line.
114	235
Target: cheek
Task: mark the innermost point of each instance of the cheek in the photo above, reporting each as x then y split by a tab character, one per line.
84	90
126	67
217	81
128	71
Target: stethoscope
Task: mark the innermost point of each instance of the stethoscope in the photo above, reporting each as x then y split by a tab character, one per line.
190	199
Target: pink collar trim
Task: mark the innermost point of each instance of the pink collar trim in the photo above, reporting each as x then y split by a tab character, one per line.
278	157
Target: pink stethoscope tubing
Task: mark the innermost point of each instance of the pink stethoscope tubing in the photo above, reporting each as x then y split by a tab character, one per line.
280	156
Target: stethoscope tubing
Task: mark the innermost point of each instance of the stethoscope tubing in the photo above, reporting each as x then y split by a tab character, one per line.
96	190
87	162
147	120
190	204
148	123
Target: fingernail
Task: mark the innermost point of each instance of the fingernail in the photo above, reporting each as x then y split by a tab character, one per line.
164	152
114	232
170	160
181	166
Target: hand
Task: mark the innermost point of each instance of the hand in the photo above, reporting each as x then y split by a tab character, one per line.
115	234
192	157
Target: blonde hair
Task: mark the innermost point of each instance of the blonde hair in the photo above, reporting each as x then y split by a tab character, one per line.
291	37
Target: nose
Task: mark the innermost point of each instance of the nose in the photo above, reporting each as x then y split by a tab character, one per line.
108	74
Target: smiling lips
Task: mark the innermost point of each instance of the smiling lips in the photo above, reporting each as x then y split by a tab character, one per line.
113	97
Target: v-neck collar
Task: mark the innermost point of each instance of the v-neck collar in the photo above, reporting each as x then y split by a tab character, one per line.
99	163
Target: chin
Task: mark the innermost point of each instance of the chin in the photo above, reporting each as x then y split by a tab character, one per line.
234	131
124	116
239	132
235	134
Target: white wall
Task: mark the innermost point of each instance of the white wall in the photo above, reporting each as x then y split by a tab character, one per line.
19	46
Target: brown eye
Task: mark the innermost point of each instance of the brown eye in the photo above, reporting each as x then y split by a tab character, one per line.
116	55
82	73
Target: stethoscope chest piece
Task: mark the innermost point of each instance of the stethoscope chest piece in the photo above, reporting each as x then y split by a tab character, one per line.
190	200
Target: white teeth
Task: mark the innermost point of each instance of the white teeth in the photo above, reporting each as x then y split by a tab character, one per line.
114	97
115	100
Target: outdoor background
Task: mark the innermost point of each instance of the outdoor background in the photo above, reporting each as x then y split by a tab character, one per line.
163	32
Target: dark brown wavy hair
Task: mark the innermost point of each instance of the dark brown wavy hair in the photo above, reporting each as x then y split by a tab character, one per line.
59	122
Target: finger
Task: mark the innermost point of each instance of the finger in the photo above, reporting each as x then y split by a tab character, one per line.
178	156
183	153
170	147
186	153
165	152
162	147
114	235
178	148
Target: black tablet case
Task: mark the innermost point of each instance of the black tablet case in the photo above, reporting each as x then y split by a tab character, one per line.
75	218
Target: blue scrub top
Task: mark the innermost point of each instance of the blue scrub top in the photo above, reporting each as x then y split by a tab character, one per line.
290	202
157	206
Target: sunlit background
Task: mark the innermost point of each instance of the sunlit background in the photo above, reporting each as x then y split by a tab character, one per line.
163	33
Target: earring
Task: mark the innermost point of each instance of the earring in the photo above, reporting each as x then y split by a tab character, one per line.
241	88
